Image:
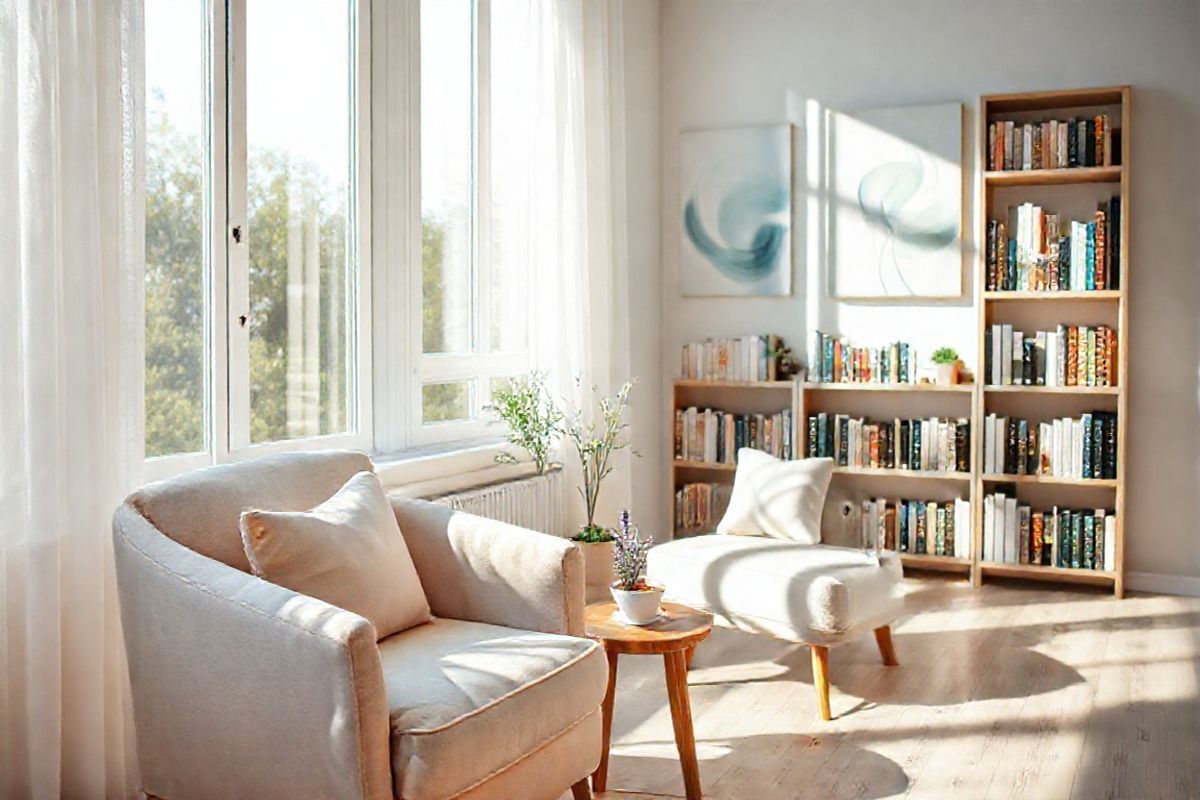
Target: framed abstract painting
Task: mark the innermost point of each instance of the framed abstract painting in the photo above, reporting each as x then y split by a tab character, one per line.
894	198
736	212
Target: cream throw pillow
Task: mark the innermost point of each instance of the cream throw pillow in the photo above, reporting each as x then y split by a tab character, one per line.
776	498
348	551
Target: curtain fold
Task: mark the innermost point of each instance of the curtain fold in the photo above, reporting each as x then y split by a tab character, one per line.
558	183
71	242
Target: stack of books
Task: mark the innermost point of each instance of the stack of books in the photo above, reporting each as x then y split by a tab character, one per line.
1080	449
1053	144
938	445
749	358
834	360
1037	251
1071	355
700	506
1013	533
918	527
714	436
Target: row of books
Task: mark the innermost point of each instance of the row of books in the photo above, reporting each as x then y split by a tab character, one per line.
918	527
1084	448
748	358
833	359
700	506
1013	533
1071	355
1038	251
1053	144
938	445
714	436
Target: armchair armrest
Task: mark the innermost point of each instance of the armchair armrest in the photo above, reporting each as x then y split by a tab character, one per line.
487	571
242	688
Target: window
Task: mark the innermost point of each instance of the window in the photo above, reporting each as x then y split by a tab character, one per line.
472	294
254	291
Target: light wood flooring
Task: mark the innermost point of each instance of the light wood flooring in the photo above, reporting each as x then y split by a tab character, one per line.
1005	691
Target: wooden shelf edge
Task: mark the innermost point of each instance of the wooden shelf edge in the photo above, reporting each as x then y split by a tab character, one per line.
1053	177
709	465
936	563
1039	572
961	388
1103	483
691	383
1047	296
1064	390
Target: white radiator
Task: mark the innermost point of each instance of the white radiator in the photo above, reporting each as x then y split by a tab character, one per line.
536	502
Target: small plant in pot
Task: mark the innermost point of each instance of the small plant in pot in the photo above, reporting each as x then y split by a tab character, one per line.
946	359
533	419
638	601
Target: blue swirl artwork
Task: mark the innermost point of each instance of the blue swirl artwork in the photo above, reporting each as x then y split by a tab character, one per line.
736	213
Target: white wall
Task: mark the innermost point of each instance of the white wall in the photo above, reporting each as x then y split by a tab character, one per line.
745	63
641	84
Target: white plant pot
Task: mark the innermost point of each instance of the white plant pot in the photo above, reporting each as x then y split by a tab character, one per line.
947	374
640	606
597	569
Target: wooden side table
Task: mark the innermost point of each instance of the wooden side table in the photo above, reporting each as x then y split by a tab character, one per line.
675	637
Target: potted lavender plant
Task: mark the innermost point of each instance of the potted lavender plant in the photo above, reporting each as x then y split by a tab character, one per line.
638	601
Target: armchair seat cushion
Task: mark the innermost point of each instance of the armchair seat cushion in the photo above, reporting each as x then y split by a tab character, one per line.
468	700
818	594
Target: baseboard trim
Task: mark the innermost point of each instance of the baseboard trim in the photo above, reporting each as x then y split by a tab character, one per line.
1183	585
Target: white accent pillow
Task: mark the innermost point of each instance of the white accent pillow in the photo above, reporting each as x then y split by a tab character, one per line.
348	551
776	498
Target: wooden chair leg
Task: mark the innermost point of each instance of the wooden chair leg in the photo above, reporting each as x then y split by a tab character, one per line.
820	667
580	790
687	656
887	651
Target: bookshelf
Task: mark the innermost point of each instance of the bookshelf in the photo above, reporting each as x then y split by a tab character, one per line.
737	397
882	401
1069	191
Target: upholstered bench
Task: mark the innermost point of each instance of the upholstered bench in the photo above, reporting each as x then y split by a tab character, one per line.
782	582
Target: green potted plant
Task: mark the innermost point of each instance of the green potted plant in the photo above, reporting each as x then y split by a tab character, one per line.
595	438
533	418
946	359
638	601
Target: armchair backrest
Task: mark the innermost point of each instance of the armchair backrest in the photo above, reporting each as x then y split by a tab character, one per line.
200	509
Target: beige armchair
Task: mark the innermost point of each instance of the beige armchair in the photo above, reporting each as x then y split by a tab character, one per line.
242	688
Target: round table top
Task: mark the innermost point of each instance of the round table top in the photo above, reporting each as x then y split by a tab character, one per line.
679	627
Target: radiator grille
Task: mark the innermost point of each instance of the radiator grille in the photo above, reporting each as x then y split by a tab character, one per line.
536	502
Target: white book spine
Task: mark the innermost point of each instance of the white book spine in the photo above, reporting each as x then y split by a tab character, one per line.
1110	543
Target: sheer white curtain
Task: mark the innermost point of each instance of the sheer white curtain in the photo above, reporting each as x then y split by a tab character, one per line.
557	172
70	386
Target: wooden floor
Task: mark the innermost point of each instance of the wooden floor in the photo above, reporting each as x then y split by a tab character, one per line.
1006	691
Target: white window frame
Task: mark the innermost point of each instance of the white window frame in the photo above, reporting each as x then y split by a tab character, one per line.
226	273
478	366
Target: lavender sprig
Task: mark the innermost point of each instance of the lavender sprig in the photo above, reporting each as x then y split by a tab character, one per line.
629	554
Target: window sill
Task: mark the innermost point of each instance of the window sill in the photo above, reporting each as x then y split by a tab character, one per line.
432	471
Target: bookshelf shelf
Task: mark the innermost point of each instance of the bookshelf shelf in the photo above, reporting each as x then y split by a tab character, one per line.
1068	390
962	388
704	465
877	472
1058	574
938	563
1052	297
704	384
1099	483
1053	177
1081	184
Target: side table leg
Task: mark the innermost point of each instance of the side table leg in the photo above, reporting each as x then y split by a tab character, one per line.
600	776
681	716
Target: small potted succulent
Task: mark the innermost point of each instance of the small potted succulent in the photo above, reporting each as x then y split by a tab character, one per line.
638	601
946	359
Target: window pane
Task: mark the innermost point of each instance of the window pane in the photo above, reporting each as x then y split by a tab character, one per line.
299	215
445	402
513	172
447	172
177	195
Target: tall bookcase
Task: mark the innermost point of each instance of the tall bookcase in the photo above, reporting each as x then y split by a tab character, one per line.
1073	192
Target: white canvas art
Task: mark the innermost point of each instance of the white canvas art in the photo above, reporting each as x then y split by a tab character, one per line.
895	202
736	212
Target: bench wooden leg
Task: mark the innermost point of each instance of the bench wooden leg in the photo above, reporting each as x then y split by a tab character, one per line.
820	667
887	651
581	791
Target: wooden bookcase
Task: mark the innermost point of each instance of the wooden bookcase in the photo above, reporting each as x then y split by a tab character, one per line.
1068	192
738	397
